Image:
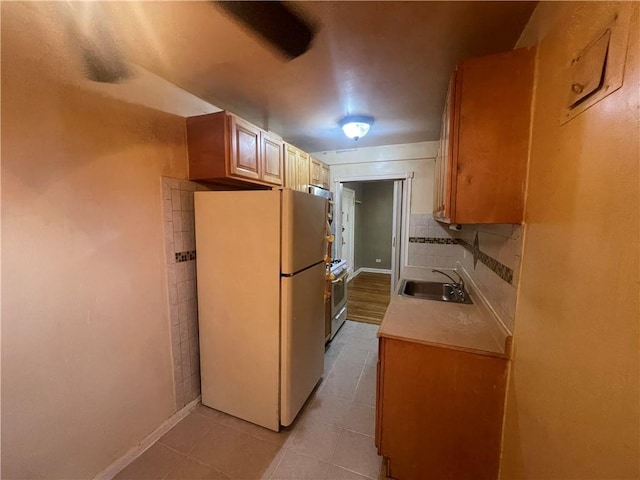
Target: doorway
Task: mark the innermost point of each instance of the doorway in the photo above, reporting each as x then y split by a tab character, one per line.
371	225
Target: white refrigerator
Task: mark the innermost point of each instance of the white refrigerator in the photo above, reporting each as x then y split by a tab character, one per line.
260	276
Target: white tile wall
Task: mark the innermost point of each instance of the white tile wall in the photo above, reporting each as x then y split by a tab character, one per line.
429	254
179	235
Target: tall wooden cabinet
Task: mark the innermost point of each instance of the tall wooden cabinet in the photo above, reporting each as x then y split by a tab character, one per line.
482	159
224	148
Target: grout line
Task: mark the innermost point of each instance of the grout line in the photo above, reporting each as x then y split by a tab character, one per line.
198	461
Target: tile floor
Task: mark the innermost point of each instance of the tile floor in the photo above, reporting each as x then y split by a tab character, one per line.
332	437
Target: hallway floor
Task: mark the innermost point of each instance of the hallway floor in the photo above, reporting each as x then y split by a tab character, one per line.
332	438
369	296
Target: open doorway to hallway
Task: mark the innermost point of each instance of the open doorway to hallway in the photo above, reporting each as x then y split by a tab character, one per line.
369	239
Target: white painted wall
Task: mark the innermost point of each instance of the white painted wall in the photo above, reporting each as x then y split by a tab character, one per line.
418	158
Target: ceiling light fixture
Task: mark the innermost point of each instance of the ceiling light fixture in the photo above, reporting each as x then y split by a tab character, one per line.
356	126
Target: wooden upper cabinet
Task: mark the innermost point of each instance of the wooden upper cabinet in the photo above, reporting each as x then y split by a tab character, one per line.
482	159
318	174
290	166
315	172
244	160
324	177
296	165
272	158
304	163
227	149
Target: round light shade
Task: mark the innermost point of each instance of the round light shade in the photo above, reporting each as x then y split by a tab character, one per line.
356	127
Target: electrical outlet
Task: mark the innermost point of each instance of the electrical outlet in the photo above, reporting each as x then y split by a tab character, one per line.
378	260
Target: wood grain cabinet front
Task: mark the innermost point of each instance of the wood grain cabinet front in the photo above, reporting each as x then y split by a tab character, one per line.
319	174
297	168
324	176
439	411
482	160
224	148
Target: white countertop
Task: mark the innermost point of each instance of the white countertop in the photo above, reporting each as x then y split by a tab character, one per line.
473	328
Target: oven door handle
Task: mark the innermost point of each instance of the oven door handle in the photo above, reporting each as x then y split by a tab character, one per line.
341	278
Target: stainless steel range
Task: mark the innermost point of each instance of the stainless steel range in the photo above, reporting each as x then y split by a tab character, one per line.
339	275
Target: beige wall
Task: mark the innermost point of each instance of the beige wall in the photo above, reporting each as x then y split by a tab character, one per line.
86	358
573	399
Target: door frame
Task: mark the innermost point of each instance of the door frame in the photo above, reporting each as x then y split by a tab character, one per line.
351	233
407	177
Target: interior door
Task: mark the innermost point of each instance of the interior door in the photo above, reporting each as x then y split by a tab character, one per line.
302	339
396	240
348	205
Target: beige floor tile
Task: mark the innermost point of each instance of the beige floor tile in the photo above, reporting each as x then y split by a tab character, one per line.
352	356
315	439
187	468
372	359
155	463
251	460
268	472
350	339
357	453
335	347
276	438
208	412
365	330
366	390
327	409
219	447
348	327
300	467
361	418
342	381
339	473
186	434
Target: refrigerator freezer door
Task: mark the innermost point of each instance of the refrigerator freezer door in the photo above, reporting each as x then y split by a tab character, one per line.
304	220
238	244
302	339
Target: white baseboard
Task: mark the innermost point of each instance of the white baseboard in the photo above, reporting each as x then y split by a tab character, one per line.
370	270
120	464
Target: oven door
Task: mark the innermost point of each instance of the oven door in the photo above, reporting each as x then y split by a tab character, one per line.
339	293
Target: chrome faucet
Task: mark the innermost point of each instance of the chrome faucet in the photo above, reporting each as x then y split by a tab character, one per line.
458	284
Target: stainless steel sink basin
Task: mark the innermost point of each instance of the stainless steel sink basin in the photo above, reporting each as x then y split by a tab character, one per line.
443	292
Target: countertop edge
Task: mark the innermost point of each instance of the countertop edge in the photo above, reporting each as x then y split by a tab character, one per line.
486	353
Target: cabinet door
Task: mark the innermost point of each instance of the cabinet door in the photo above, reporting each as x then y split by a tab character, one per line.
325	176
290	167
442	206
244	160
315	174
303	171
271	155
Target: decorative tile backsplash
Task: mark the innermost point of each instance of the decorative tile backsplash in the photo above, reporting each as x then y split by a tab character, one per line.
185	256
438	241
489	253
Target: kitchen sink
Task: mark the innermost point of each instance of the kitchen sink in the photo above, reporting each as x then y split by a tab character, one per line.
443	292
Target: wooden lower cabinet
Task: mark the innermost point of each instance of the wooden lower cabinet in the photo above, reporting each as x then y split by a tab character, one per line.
439	411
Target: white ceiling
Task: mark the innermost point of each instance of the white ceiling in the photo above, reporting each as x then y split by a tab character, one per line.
390	60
